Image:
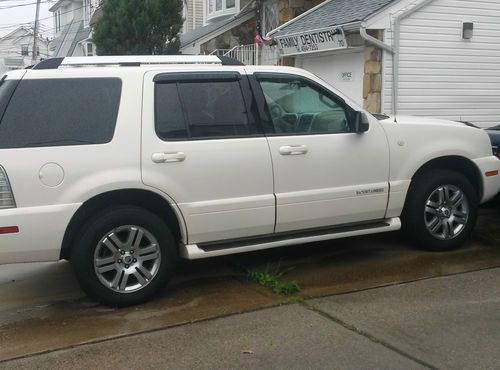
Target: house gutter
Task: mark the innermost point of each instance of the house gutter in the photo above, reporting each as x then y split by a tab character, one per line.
372	40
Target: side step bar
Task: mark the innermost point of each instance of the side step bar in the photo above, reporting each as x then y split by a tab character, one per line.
204	250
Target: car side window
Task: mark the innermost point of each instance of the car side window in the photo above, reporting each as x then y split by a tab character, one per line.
296	106
201	110
169	118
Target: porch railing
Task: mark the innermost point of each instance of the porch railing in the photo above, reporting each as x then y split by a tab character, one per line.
252	54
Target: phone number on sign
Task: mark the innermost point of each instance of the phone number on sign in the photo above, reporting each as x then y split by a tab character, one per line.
306	48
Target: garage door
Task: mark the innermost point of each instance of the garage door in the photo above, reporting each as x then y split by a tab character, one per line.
344	71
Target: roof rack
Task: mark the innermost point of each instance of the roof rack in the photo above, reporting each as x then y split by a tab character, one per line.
134	61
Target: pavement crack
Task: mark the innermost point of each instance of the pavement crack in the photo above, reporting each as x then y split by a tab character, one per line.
369	336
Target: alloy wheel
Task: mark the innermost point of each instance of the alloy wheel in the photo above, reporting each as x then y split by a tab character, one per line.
446	212
127	258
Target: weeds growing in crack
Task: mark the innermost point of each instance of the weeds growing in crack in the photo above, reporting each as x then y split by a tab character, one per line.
270	280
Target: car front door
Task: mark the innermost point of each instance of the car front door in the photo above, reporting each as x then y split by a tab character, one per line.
325	174
201	145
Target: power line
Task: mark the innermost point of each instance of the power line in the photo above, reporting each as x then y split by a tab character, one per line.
65	33
22	5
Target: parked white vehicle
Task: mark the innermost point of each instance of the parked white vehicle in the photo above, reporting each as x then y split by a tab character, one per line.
123	164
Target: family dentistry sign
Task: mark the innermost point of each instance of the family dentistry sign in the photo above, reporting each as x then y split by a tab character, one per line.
331	38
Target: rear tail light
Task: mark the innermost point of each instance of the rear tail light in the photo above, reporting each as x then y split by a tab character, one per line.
6	196
9	230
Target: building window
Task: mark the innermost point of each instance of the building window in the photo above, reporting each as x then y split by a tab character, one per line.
57	20
217	8
90	49
24	51
86	12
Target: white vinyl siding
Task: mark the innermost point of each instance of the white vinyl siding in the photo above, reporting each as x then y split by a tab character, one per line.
189	15
198	12
443	75
193	14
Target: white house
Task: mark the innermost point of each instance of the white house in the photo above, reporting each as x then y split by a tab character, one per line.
72	36
436	58
16	49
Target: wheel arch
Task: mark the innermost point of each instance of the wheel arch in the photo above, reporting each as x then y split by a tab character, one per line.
135	197
456	163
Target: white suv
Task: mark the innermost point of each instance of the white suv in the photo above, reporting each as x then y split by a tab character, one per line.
123	164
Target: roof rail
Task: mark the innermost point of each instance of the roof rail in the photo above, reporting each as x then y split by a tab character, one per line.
134	61
138	60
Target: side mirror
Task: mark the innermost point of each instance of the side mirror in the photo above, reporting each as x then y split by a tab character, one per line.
361	123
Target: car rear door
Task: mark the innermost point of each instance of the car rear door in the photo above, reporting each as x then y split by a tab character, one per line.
202	147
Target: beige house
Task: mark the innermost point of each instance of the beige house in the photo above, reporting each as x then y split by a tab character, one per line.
231	26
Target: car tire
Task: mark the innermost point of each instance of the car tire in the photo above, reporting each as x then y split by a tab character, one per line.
440	211
123	256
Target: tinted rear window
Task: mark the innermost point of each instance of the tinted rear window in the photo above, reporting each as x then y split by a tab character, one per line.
59	112
201	110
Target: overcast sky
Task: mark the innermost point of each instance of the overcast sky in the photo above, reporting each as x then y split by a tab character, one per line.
11	15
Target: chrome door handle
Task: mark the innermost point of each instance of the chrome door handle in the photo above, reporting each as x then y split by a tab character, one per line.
168	157
293	150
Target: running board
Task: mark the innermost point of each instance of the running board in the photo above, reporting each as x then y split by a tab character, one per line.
204	250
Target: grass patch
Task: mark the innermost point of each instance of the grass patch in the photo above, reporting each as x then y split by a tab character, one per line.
271	281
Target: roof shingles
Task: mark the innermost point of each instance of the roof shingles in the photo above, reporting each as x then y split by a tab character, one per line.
333	13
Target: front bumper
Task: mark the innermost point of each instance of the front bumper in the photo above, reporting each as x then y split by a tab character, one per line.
491	181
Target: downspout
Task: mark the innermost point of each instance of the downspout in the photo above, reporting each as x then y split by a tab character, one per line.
395	58
374	41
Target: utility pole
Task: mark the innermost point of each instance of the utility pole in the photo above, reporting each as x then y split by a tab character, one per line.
35	32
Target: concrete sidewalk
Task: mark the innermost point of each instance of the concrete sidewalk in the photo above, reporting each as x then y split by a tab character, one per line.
447	322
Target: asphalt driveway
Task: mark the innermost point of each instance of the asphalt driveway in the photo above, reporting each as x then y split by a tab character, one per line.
448	323
42	309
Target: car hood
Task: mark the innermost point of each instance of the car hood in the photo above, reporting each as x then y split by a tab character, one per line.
434	135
